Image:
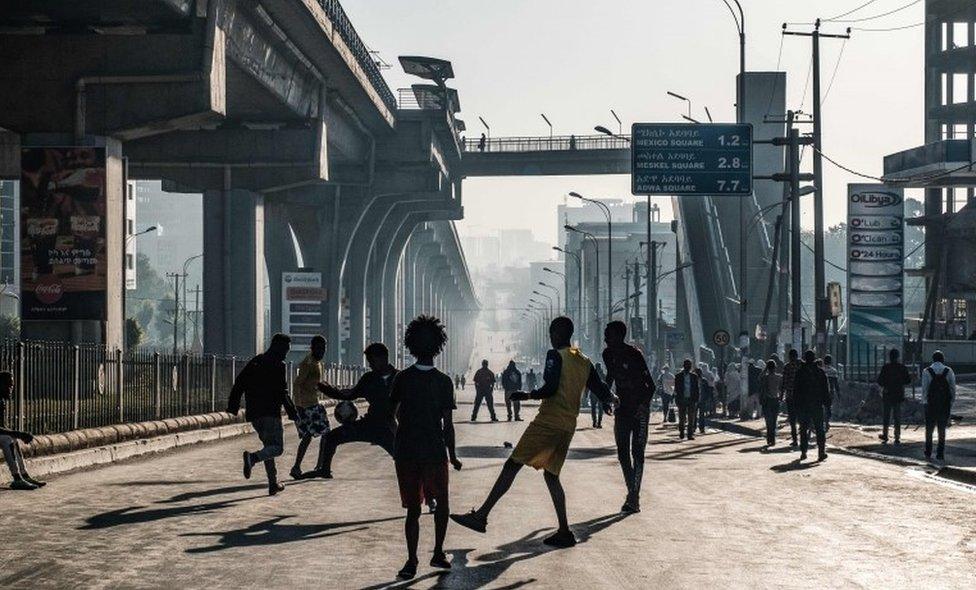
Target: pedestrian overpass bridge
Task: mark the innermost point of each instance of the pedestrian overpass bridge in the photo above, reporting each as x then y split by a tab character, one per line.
560	155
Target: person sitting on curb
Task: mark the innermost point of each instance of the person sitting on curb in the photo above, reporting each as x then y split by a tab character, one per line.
10	441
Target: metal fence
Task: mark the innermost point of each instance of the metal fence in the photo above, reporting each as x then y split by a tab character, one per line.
359	50
547	143
60	387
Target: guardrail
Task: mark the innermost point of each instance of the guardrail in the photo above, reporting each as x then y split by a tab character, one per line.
546	143
60	387
359	50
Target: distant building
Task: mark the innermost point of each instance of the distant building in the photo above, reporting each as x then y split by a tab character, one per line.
131	244
9	247
178	218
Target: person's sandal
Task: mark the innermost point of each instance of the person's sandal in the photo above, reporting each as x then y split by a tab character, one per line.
408	571
472	521
439	560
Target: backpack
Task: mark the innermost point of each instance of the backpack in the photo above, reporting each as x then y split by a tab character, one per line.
939	391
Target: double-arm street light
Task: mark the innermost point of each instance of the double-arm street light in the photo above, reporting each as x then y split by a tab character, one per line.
606	212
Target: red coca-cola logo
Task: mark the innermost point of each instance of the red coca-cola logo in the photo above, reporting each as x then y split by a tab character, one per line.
49	292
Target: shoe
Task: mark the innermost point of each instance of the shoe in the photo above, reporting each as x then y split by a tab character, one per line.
681	435
794	445
517	419
321	474
928	456
897	443
940	457
33	481
408	571
431	505
803	456
472	520
247	465
21	484
821	457
883	438
509	419
771	444
631	505
560	539
274	488
296	473
691	437
439	560
493	419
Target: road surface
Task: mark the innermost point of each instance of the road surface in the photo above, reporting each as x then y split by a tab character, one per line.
718	513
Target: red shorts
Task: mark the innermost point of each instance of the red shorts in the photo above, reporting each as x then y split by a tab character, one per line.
420	481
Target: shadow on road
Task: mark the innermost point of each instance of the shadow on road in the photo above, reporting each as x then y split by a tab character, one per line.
485	569
138	515
767	451
794	465
184	497
697	449
272	532
488	452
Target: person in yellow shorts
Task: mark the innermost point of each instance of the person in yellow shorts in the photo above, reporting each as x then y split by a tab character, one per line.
545	443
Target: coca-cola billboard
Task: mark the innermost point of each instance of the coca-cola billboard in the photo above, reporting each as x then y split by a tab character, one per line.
63	261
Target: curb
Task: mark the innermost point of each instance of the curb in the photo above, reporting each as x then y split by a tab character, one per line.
113	453
959	474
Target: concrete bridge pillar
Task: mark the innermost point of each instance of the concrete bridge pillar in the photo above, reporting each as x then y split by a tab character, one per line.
279	254
233	272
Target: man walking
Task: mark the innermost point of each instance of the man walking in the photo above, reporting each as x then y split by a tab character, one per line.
939	389
545	443
512	382
263	384
312	419
893	378
377	425
811	394
666	387
530	380
769	399
627	371
687	392
787	388
484	383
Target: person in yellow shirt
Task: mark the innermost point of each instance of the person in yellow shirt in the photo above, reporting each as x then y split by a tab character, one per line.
545	443
312	420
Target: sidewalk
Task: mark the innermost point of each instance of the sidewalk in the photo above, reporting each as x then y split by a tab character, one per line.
862	440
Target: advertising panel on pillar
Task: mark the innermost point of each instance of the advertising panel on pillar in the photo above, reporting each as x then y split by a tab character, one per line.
875	262
63	216
301	314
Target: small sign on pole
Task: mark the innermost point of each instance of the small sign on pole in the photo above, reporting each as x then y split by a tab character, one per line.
721	338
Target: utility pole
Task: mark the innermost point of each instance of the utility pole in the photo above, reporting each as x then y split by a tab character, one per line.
176	308
819	273
196	314
652	313
649	299
627	294
795	244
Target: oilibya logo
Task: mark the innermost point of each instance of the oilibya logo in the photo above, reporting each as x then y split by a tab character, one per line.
874	200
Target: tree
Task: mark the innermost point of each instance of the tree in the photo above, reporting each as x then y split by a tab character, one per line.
133	334
9	327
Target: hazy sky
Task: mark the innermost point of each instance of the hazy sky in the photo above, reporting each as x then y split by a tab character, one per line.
574	60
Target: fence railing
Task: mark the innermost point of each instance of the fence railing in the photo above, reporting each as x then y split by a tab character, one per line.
546	143
60	387
362	54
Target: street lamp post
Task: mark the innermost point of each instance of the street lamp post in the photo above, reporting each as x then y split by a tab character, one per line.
579	281
559	300
606	211
548	301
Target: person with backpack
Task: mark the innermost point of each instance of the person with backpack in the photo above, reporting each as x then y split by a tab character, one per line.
893	378
939	389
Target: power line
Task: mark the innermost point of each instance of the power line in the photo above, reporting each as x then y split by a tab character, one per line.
887	29
882	15
897	180
779	60
833	76
851	11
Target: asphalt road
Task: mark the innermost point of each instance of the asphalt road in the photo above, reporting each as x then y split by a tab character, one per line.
718	513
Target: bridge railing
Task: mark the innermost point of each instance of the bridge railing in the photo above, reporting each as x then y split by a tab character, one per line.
60	387
546	143
334	10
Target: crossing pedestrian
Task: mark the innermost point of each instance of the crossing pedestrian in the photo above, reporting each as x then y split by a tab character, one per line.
687	393
512	382
787	389
377	425
464	381
10	441
545	443
313	420
893	378
484	383
424	403
833	381
263	385
769	399
592	399
939	391
627	372
811	394
530	380
733	391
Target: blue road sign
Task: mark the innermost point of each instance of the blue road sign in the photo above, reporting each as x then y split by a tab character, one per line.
691	159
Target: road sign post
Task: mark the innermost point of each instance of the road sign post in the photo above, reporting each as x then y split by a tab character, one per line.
678	159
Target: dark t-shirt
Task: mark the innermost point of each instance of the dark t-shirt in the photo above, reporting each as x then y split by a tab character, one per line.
420	398
627	370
